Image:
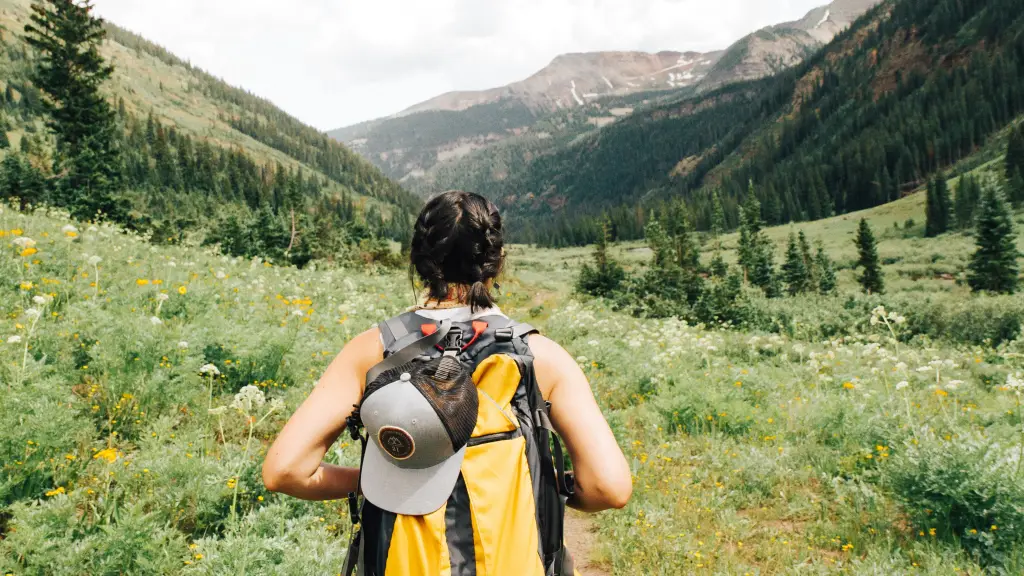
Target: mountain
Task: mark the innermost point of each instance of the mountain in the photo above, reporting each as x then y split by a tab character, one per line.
778	47
908	90
577	93
198	149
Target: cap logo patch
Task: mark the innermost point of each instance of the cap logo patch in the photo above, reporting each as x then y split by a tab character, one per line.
396	442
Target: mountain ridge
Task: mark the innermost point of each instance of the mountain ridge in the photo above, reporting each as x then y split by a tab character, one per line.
576	93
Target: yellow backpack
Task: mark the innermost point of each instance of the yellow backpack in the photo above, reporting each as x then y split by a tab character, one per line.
505	515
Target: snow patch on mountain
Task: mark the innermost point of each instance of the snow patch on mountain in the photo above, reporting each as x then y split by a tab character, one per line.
828	13
575	95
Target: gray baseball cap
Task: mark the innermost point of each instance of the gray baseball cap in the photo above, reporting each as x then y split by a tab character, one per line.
418	419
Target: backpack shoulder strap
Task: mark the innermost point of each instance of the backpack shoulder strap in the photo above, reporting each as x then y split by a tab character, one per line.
395	332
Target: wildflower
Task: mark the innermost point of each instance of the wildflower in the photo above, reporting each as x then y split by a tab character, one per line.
248	398
42	299
69	231
33	313
902	385
142	282
24	243
26	285
217	411
155	321
183	345
849	385
182	290
209	369
94	260
56	491
220	275
15	339
108	454
1015	383
276	404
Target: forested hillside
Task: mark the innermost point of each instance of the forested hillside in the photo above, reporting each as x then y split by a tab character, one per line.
910	88
200	155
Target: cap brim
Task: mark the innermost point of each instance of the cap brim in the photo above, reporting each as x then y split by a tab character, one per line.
411	492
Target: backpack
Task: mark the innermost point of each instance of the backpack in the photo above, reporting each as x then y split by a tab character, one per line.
506	512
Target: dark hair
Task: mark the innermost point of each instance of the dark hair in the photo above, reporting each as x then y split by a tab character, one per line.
457	240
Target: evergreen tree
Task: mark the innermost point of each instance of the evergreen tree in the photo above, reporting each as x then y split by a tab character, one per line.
659	242
606	276
968	192
993	267
937	207
794	270
1014	162
687	251
717	214
71	72
763	273
750	231
826	272
867	250
808	258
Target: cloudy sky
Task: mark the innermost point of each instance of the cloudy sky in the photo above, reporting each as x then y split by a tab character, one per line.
332	63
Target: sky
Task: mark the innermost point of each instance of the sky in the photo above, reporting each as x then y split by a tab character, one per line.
332	63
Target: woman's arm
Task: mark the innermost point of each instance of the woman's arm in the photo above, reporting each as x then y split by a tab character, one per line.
603	479
294	462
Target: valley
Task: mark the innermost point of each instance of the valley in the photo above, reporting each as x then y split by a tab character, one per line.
790	271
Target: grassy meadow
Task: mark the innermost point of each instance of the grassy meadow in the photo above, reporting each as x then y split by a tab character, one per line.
142	385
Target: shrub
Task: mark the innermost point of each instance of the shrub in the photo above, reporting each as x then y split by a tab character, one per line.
966	490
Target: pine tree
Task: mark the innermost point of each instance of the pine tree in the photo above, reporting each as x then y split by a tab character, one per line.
606	276
687	251
937	207
993	267
871	277
717	214
826	272
967	195
808	258
794	270
71	72
750	231
1014	162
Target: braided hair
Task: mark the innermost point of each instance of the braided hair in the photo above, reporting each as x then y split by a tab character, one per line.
457	241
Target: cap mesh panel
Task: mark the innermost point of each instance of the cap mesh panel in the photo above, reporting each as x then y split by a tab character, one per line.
448	387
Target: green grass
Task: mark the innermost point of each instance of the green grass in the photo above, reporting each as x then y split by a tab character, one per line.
752	453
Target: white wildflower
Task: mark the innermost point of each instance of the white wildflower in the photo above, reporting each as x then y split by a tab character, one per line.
33	313
221	275
901	366
93	228
155	321
13	339
24	242
276	404
594	343
209	369
297	312
162	297
183	345
94	260
248	399
39	300
954	384
902	385
69	229
1015	382
218	410
581	359
924	369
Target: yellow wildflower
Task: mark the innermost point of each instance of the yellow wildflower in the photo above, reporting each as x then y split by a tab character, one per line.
109	454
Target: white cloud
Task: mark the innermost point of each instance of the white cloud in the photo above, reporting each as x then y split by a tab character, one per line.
336	62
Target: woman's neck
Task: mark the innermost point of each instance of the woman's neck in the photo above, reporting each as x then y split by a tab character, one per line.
457	297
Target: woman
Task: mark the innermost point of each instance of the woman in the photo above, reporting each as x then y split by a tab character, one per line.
457	252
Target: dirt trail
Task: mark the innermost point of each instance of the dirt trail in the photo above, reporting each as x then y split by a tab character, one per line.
581	539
